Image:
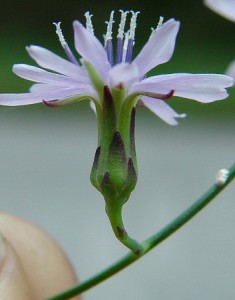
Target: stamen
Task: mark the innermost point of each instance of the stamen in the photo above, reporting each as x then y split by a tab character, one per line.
120	36
127	34
122	24
129	51
131	39
64	44
125	45
160	23
60	34
89	25
109	31
108	38
133	24
109	50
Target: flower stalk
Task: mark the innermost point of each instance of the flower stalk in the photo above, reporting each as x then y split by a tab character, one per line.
114	171
151	242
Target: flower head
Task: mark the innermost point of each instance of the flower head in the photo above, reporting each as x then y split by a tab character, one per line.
225	8
115	84
69	80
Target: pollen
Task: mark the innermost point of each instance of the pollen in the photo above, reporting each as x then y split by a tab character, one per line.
60	34
109	31
133	24
122	24
89	25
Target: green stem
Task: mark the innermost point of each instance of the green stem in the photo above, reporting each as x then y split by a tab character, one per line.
150	243
114	212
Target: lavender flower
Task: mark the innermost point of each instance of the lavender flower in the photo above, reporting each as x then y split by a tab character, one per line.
115	84
73	80
225	8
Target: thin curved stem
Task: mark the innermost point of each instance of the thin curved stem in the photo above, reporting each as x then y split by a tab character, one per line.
149	243
114	213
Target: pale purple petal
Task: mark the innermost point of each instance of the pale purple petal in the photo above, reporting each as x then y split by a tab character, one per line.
39	75
19	99
43	87
36	97
201	87
162	110
123	74
51	61
91	50
231	70
63	93
225	8
159	48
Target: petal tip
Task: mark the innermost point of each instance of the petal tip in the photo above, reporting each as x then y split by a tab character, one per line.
77	24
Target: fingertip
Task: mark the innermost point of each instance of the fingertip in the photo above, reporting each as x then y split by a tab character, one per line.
13	282
45	264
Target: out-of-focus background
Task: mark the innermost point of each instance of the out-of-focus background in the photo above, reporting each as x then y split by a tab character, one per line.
46	155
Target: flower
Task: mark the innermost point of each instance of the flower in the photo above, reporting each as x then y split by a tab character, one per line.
71	80
115	86
225	8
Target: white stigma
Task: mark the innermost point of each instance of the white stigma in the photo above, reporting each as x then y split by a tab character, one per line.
109	31
122	24
125	45
60	34
89	25
133	24
127	36
221	177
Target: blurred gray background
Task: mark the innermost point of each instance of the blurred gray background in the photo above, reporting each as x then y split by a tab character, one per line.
46	155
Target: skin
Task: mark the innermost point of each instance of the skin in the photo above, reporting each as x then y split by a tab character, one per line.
32	264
